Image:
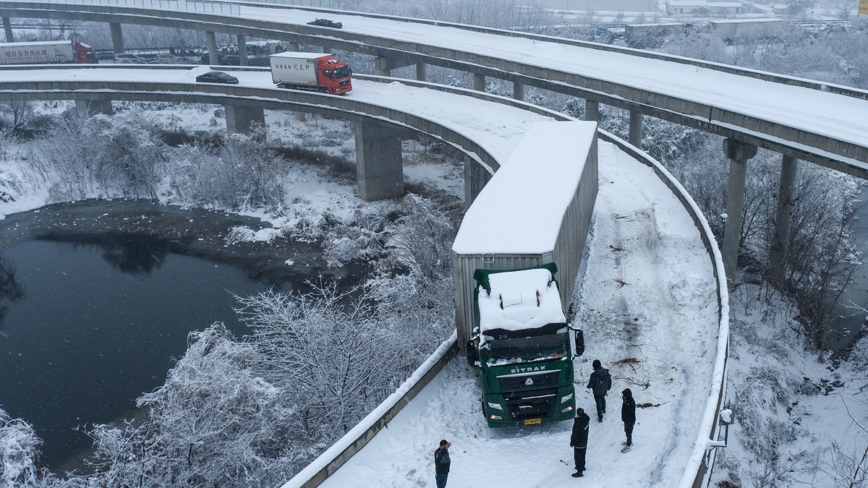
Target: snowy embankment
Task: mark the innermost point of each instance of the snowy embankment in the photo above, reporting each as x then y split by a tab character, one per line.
647	299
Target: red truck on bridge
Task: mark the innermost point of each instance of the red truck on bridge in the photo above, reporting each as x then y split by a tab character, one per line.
311	71
42	52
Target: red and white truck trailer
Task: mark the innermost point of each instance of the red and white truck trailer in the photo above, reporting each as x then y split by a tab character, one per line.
46	52
311	71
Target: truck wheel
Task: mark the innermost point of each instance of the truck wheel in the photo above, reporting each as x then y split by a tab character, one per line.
324	90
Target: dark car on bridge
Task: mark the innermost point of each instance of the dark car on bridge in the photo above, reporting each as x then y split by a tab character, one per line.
326	23
217	77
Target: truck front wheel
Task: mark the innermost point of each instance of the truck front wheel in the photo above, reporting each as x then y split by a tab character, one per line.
324	90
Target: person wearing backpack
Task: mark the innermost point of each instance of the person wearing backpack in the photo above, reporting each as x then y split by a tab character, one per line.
600	383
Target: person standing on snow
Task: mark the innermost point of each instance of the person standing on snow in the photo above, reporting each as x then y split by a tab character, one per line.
600	383
628	415
579	440
441	463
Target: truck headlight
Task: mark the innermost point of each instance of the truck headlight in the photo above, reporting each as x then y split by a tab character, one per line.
495	406
566	398
566	409
496	417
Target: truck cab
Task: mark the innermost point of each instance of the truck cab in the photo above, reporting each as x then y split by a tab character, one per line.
522	345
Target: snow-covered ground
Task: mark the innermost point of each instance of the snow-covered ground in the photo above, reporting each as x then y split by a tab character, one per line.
647	298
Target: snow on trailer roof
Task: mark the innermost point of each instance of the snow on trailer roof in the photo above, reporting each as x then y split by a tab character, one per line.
524	299
38	43
299	55
497	222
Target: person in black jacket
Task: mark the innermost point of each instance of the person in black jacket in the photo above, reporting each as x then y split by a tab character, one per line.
628	415
579	440
441	463
600	383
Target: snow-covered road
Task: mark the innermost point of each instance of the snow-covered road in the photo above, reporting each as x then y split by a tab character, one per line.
648	297
494	126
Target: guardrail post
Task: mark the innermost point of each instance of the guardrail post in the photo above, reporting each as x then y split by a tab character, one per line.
7	26
592	111
475	179
636	129
518	90
478	82
117	37
242	50
90	107
780	247
421	71
379	163
738	154
213	58
242	119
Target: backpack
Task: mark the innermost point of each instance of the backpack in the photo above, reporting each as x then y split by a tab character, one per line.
603	381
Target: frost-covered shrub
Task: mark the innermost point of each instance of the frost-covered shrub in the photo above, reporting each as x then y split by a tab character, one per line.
19	449
103	156
238	175
215	422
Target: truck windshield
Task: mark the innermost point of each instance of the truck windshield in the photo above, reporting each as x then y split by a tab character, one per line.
530	348
342	72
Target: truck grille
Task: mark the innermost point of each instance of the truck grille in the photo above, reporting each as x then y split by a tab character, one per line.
528	404
523	381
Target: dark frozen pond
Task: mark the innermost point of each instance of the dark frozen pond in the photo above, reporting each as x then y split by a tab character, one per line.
88	329
92	315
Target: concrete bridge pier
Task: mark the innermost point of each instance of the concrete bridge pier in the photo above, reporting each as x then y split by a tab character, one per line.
379	164
242	50
475	179
117	37
241	119
421	71
211	39
738	154
90	107
7	26
636	129
592	111
479	82
386	65
518	90
780	247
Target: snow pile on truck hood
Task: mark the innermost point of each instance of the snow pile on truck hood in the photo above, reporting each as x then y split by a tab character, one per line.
518	300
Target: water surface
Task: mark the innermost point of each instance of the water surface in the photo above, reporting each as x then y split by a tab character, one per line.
86	328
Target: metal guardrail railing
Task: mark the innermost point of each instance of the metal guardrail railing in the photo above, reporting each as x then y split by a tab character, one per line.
334	4
222	8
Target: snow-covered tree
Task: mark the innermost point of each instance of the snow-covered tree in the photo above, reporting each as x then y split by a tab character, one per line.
19	451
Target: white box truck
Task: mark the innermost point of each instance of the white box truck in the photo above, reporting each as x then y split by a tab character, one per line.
311	71
46	52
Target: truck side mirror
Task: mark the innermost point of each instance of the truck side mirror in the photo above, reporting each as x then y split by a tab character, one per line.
580	342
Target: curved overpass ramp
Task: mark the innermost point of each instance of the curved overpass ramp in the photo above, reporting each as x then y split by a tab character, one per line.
648	295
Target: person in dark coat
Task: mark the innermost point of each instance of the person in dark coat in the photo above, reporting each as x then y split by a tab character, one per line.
579	440
441	463
628	415
600	383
